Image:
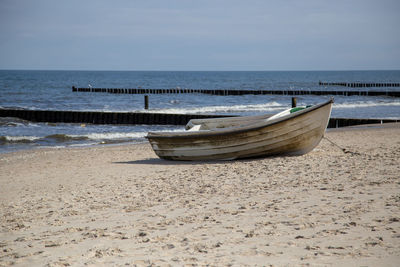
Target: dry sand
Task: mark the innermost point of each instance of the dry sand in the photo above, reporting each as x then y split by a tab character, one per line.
121	205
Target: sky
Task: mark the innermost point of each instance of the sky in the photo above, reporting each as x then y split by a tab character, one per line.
190	35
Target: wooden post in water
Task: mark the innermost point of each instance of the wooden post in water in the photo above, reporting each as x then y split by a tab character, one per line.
294	102
146	102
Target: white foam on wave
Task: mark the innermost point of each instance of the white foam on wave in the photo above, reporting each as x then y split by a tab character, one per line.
266	107
366	104
21	138
120	135
115	135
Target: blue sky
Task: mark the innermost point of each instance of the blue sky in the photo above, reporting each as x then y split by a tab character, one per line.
200	35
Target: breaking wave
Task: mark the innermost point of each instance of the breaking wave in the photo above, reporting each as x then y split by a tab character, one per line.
366	104
102	138
18	139
266	107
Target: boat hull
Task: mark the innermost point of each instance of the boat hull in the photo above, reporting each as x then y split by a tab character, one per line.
295	134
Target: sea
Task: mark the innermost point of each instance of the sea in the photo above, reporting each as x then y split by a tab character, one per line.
52	90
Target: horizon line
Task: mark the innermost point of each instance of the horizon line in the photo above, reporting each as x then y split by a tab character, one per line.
155	70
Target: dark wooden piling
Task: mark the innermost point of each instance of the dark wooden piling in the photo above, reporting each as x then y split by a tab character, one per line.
146	102
294	102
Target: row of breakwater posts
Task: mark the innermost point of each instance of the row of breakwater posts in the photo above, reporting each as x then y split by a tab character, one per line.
358	84
131	118
99	117
226	92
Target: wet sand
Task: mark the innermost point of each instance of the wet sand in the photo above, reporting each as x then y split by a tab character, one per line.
121	205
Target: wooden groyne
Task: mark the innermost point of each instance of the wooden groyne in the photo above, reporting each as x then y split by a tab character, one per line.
99	117
128	118
344	122
359	84
225	92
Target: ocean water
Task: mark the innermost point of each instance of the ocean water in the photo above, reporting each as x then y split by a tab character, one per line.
52	90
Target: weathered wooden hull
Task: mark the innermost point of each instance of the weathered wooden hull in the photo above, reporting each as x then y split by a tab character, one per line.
295	134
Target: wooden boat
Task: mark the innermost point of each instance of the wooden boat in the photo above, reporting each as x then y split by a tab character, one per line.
286	133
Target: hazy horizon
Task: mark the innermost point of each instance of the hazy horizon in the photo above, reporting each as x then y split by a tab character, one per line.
105	70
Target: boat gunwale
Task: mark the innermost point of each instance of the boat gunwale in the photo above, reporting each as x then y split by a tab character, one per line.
234	130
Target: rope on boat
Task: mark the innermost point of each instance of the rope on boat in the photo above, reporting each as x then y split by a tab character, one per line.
344	150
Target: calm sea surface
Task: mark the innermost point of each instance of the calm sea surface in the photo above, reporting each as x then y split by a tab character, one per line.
52	90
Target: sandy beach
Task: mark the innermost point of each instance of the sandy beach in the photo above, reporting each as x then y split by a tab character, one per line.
121	205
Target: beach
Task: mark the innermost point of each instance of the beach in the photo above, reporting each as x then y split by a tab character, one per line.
121	205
